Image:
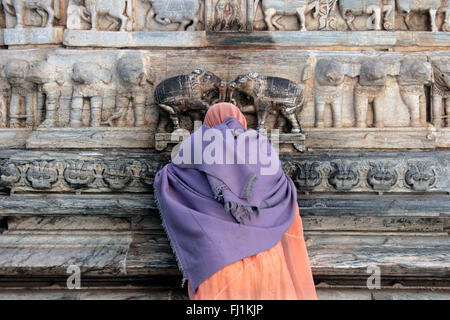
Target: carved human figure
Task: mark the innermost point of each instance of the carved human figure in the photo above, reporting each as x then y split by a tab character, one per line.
369	89
47	9
441	93
185	93
414	74
272	93
90	82
408	7
23	93
77	15
329	80
5	93
185	12
274	9
134	86
113	10
49	81
351	8
228	16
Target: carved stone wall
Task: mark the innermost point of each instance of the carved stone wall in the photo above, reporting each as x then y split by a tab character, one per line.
91	90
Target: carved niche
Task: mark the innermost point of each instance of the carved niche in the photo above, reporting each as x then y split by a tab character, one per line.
229	15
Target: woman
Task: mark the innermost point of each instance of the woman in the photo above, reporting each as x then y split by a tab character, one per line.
234	225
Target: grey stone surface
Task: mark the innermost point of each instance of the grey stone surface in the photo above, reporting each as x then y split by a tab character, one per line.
33	36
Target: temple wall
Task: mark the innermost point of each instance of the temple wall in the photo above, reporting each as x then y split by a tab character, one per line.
84	129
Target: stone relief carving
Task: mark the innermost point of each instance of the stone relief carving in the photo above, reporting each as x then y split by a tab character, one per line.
414	74
351	8
5	95
420	176
408	7
49	80
133	87
47	11
112	172
185	93
441	93
272	93
274	9
371	85
329	80
186	13
90	82
23	94
101	15
382	176
229	15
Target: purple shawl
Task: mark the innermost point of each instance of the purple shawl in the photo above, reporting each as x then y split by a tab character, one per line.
217	214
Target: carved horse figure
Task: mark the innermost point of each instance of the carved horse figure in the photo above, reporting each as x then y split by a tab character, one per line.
350	8
407	7
110	8
272	8
45	8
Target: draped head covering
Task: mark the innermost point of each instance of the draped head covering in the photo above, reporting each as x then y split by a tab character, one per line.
224	197
218	112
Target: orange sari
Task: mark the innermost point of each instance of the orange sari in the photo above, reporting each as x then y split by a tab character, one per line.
280	273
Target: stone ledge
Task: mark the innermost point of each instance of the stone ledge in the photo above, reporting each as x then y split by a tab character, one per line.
33	36
196	39
91	138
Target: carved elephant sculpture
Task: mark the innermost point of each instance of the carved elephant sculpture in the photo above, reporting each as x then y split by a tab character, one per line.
23	93
90	82
441	93
185	93
114	9
17	8
48	80
329	80
370	88
133	87
414	74
184	12
351	8
272	93
272	8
